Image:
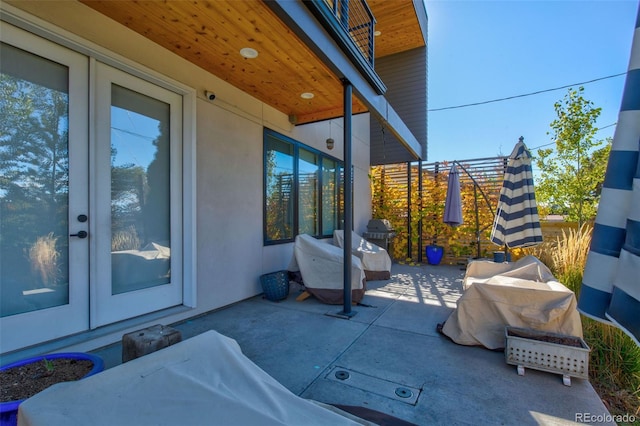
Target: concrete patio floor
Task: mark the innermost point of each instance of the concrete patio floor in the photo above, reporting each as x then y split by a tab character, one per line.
397	362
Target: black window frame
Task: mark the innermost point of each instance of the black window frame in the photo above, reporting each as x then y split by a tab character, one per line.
297	145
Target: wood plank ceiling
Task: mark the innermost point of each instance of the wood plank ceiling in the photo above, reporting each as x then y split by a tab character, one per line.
211	33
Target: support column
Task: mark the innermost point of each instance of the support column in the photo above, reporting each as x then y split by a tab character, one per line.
409	230
420	206
348	199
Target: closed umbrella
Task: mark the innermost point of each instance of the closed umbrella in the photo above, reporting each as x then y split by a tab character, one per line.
516	223
610	289
453	203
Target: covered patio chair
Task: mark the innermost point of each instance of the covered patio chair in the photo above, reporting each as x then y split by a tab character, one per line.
321	267
375	259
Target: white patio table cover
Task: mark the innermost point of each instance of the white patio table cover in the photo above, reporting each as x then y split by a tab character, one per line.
375	259
518	294
204	380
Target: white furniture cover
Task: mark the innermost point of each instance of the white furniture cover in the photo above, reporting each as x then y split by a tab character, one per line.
375	259
519	294
528	268
322	268
205	380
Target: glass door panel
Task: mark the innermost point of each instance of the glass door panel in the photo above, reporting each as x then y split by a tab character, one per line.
43	191
34	163
138	197
140	214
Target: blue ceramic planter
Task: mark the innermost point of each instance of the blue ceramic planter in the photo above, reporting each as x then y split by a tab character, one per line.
9	410
434	254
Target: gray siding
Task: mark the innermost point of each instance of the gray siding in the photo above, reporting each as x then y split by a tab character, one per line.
405	75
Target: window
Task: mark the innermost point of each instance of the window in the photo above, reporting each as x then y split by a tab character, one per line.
331	191
308	179
302	190
279	180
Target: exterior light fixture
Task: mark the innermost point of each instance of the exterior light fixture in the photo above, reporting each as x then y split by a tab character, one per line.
249	53
307	95
330	143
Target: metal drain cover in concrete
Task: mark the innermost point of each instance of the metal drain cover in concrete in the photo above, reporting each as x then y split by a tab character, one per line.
368	383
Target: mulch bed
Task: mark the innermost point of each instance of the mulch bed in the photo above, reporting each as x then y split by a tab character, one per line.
559	340
24	381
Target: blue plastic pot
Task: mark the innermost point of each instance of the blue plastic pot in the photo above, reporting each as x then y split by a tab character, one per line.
9	410
275	285
434	254
500	256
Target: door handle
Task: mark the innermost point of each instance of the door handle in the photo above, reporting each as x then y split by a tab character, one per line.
80	234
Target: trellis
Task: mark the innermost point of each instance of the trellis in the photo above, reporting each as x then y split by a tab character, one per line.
412	197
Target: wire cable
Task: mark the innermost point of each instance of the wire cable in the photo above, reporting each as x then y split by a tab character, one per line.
553	143
526	94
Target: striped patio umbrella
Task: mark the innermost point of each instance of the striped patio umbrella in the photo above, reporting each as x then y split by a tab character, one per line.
517	223
453	203
610	289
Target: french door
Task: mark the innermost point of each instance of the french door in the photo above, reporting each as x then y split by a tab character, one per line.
137	193
90	193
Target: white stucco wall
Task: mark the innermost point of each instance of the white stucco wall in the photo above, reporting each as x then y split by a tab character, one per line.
229	160
231	255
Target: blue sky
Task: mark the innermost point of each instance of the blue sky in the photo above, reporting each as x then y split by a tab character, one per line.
481	50
132	136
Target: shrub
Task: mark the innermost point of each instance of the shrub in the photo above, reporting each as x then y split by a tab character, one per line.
614	362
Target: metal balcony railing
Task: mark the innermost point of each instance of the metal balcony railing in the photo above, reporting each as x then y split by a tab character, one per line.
355	17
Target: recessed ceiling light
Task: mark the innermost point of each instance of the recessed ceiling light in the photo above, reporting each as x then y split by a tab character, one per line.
377	33
307	95
249	53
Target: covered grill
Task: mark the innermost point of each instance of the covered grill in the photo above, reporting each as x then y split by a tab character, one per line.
380	232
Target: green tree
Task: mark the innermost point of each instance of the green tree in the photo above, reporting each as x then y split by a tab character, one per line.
572	174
